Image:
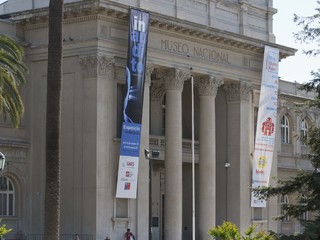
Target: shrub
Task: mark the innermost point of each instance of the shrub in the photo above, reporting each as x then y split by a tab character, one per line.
229	231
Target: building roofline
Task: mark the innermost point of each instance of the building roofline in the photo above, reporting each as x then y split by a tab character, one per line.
157	20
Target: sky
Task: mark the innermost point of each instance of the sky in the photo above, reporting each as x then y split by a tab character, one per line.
298	67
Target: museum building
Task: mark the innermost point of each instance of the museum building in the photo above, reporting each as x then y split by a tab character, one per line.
220	44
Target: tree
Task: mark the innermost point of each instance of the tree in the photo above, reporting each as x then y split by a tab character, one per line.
12	74
53	116
305	186
310	31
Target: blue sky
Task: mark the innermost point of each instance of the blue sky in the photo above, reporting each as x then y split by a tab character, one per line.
298	67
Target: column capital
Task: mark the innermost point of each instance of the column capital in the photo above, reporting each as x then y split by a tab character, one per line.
157	90
238	91
208	85
174	78
97	66
148	72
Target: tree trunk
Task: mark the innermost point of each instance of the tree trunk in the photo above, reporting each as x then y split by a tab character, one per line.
53	117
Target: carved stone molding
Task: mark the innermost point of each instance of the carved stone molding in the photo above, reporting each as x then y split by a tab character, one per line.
97	66
149	71
14	153
246	89
208	85
238	91
174	78
157	90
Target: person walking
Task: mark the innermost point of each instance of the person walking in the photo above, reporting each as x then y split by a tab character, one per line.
129	235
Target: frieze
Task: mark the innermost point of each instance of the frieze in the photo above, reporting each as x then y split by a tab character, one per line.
97	66
117	13
182	47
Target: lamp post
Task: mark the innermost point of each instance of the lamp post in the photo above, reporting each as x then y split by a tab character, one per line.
2	161
154	154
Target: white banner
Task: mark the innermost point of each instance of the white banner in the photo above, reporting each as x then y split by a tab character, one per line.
127	177
266	123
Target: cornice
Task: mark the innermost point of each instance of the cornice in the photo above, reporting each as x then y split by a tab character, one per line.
289	96
92	10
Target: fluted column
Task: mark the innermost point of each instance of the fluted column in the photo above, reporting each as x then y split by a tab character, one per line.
143	180
98	119
208	87
173	79
240	131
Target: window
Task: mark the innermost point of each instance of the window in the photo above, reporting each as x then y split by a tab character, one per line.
7	197
284	130
283	201
121	208
304	130
304	216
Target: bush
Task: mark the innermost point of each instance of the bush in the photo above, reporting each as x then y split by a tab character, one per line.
4	230
229	231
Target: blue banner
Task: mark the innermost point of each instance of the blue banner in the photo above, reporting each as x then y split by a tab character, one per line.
133	104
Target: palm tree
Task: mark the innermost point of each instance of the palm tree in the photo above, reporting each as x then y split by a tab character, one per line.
12	74
53	116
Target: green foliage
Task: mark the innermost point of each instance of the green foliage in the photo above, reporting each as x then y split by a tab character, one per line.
229	231
12	74
4	230
305	186
310	31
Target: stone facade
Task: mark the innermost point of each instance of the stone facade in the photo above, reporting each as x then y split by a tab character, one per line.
222	41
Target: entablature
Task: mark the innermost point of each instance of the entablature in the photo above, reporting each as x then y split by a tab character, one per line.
91	10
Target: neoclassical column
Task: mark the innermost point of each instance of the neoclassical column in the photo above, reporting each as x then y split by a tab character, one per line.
239	139
143	179
173	80
157	93
94	66
207	87
97	124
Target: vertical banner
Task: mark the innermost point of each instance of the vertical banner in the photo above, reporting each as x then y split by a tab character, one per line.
266	123
133	104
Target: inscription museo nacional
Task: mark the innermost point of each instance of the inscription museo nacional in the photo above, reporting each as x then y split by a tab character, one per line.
180	47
